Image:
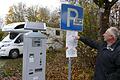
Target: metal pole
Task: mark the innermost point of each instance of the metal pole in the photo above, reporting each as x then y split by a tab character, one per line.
69	64
70	61
77	1
69	69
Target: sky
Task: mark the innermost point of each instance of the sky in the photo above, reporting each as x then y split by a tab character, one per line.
5	4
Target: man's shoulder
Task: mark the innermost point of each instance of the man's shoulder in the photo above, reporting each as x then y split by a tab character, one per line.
118	47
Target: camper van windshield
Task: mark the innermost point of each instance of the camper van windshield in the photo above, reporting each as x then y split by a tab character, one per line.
13	35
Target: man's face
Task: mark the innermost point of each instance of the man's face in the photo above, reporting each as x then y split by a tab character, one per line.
107	36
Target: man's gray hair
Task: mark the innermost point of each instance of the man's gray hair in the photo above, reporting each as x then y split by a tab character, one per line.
114	31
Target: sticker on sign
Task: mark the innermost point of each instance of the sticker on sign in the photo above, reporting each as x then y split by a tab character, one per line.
71	52
71	44
78	21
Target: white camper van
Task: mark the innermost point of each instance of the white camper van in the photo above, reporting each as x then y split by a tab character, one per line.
12	44
55	38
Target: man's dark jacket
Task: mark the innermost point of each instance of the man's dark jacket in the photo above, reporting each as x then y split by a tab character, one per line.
107	61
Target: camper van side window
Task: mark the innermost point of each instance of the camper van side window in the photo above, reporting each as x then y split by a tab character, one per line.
57	32
19	39
20	26
13	35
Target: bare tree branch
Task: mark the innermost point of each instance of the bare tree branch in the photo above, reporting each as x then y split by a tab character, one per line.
113	2
96	2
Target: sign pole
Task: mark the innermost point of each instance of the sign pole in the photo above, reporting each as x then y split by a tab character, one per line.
70	62
69	65
71	21
69	69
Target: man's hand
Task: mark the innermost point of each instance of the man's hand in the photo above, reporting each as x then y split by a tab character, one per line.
77	37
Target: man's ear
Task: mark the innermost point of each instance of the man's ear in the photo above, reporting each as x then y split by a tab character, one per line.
113	37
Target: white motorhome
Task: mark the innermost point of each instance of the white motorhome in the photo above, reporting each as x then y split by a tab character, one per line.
55	38
12	44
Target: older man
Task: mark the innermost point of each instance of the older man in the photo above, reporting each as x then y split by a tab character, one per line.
108	58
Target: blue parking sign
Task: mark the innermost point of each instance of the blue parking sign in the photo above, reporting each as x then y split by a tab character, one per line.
71	17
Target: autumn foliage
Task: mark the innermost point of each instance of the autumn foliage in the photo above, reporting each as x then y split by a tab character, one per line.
56	66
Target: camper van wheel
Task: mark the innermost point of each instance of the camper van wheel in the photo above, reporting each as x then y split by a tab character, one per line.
51	48
14	53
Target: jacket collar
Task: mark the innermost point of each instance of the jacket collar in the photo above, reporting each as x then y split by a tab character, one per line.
114	46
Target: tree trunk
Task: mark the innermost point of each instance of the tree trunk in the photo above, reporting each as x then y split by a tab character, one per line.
104	21
104	16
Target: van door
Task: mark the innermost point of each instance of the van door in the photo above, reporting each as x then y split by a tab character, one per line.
19	43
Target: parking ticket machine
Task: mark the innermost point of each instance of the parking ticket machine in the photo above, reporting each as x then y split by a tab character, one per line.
34	56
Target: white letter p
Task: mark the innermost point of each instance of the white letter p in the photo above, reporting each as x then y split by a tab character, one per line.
69	17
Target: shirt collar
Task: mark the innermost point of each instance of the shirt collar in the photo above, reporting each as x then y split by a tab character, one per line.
113	46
